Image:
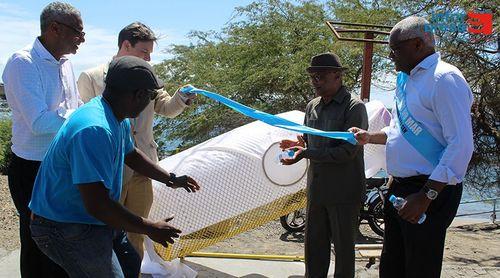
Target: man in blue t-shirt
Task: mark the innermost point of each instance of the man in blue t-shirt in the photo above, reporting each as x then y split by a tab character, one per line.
74	205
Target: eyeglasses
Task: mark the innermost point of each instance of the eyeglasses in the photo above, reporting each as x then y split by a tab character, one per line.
80	34
398	45
318	76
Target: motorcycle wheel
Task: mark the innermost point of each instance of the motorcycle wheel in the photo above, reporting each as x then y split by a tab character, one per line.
295	221
376	216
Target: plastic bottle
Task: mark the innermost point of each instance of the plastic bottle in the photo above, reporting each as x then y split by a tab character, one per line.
399	202
286	154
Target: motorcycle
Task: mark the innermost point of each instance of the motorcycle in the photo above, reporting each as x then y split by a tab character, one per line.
372	209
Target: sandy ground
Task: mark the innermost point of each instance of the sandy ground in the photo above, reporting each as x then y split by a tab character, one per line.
471	250
9	223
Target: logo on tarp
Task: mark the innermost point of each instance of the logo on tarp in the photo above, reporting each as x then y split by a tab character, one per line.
474	23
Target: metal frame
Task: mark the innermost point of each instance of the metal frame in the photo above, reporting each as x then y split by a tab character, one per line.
493	212
370	31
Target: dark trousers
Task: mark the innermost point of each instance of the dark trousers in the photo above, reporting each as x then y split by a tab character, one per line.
326	224
416	250
34	263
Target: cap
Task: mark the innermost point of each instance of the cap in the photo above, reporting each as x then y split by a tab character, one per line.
131	73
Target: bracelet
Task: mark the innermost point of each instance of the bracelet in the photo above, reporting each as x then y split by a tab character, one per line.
172	178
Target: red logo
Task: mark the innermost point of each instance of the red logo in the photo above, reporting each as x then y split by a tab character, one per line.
480	23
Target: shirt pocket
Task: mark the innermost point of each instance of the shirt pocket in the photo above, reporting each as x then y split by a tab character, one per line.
334	125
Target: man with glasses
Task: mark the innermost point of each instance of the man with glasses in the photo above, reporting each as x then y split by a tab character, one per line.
336	175
136	39
428	146
41	92
75	197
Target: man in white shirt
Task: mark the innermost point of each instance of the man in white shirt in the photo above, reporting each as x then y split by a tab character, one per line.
41	92
428	146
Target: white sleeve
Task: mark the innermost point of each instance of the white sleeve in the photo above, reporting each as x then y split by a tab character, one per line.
28	96
452	105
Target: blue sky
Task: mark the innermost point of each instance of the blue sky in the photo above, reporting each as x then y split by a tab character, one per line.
103	20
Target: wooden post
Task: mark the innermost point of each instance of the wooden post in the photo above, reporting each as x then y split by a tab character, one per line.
366	74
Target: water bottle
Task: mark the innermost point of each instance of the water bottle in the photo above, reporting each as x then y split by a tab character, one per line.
285	154
399	202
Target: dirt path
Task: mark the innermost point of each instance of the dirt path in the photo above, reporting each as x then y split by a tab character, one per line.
9	225
471	250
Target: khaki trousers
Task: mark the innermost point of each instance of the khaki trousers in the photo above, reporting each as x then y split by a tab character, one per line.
137	197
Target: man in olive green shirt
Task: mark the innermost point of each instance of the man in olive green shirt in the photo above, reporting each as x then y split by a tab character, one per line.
336	177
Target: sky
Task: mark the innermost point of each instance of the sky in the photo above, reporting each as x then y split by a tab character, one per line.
172	20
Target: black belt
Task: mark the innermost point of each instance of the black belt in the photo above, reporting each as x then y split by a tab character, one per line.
419	178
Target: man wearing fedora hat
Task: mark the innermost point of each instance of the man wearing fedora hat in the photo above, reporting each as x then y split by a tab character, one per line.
75	201
336	177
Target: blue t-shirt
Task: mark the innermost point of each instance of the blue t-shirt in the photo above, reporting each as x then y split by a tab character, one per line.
90	147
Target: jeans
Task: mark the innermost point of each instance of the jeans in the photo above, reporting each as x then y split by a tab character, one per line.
83	250
129	259
33	263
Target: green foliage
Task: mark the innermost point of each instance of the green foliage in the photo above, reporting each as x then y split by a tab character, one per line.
5	143
259	59
477	57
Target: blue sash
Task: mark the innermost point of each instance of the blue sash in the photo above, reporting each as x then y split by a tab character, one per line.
268	118
413	131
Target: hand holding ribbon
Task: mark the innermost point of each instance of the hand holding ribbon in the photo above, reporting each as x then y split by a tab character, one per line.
269	118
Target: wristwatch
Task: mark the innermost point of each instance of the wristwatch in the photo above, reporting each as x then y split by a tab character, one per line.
430	193
172	178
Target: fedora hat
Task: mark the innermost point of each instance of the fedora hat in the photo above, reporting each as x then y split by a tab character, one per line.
325	61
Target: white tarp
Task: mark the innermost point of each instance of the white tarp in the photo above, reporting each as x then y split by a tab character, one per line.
229	169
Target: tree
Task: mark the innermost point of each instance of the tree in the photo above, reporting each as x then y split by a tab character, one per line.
259	59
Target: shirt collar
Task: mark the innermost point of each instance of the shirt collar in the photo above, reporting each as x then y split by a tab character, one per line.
338	97
426	63
45	54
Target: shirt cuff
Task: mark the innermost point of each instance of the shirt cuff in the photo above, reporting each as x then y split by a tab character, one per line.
445	175
386	129
64	113
306	153
183	97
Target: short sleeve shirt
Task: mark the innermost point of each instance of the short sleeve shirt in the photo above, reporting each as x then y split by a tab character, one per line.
90	147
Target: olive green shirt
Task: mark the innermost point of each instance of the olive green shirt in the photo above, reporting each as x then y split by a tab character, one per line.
336	174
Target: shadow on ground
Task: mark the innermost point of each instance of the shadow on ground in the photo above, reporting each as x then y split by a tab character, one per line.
361	238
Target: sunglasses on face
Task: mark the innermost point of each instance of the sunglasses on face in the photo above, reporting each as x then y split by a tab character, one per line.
319	76
79	33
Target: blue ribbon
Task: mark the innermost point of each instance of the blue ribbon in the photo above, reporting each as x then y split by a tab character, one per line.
411	129
268	118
